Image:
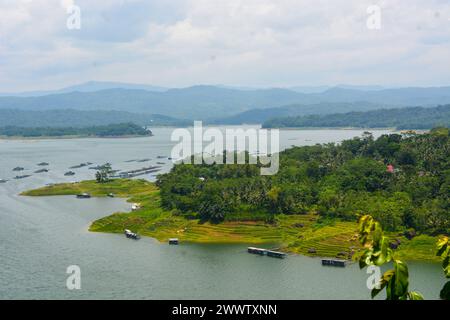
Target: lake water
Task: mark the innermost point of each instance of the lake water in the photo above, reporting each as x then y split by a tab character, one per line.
41	237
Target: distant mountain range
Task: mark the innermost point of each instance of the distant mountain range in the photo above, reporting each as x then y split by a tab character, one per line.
211	103
90	86
404	118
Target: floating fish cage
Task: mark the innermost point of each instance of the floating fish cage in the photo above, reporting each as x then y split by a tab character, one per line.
265	252
334	263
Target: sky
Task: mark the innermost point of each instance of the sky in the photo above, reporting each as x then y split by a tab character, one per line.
254	43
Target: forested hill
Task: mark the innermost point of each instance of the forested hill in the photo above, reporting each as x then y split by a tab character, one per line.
402	180
80	118
405	118
112	130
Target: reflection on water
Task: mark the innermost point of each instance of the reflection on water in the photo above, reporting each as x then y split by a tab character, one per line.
41	237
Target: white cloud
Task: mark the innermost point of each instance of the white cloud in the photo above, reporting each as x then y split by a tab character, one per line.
251	42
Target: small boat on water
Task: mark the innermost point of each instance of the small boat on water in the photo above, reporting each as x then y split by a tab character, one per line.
22	177
43	164
18	169
3	181
131	235
83	196
160	163
111	195
81	165
69	173
160	157
174	241
41	171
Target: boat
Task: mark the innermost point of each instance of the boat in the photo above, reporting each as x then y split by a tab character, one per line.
131	235
18	169
111	195
41	171
81	165
43	164
173	241
22	177
160	157
160	163
69	173
83	195
3	181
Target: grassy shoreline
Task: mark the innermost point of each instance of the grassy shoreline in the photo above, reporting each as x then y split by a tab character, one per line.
299	234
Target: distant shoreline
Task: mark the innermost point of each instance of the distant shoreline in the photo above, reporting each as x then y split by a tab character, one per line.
16	138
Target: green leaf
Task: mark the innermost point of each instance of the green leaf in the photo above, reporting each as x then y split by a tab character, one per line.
401	279
413	295
446	266
442	246
445	292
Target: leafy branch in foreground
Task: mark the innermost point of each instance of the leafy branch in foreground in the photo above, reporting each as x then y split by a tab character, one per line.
443	247
377	252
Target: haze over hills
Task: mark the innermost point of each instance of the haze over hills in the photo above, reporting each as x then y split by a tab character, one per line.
217	102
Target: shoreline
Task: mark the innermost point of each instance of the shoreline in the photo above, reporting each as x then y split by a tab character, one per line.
294	234
19	138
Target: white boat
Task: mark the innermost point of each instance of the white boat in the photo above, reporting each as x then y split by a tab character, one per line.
131	235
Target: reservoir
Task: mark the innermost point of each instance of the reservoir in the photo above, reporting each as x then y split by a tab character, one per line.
41	237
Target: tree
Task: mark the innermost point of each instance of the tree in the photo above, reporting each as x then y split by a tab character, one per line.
104	174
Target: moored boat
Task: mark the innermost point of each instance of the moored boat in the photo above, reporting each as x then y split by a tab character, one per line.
131	235
41	171
83	195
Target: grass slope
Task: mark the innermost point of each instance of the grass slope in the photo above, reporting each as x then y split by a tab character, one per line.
293	233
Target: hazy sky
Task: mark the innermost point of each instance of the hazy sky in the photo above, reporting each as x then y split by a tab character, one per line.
247	43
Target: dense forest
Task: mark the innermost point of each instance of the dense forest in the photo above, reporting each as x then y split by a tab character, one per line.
404	118
403	181
112	130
